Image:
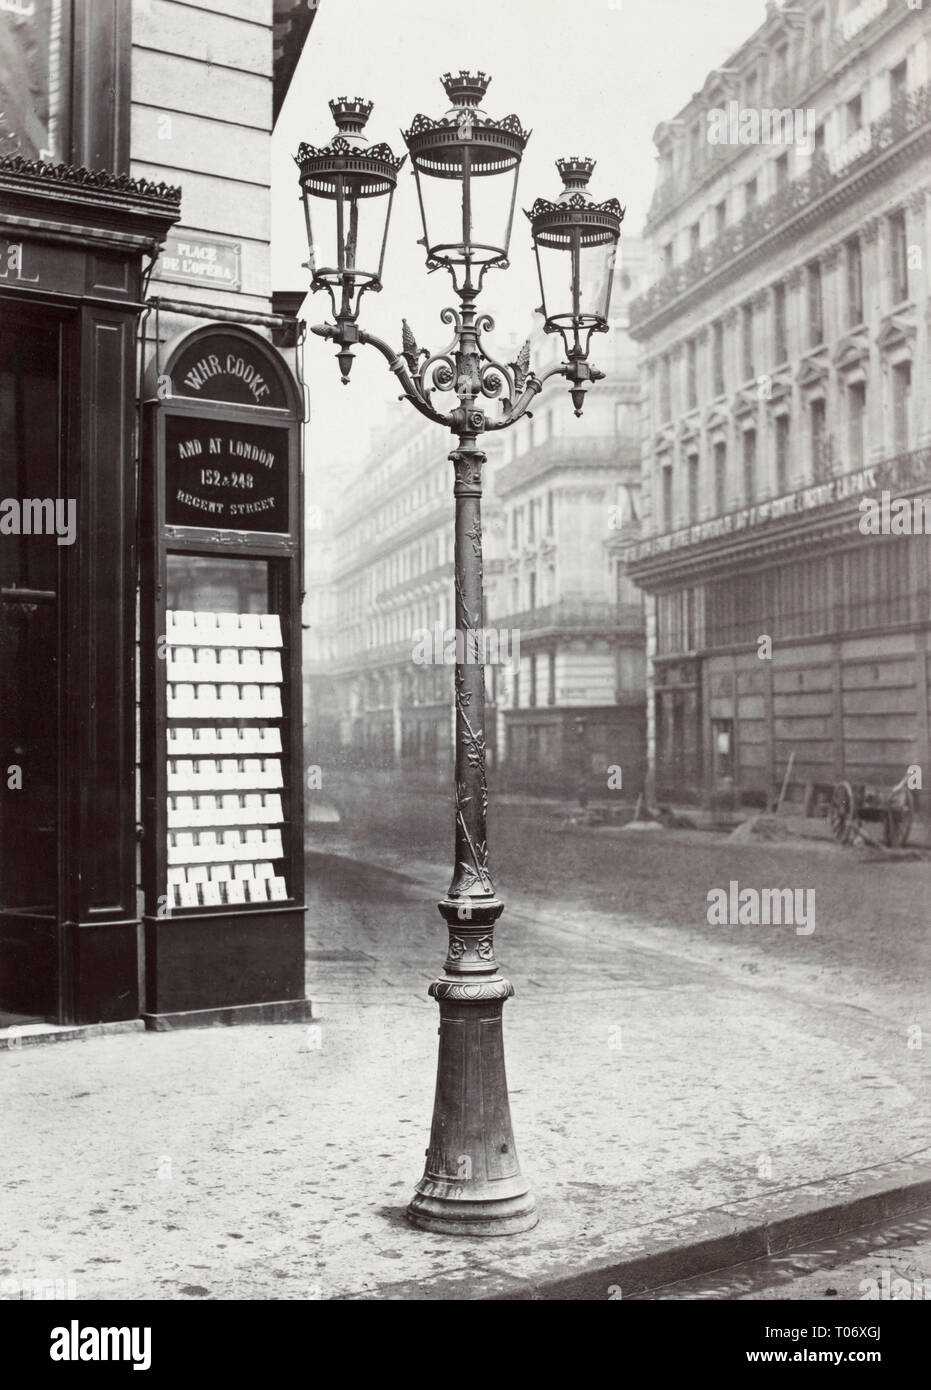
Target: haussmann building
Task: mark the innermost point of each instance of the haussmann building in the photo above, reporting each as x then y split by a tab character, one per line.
786	372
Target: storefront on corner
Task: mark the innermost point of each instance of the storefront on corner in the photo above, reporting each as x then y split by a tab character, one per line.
151	537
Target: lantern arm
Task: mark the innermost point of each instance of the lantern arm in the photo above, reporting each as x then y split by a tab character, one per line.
410	385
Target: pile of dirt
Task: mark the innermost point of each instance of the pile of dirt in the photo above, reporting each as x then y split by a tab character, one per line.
762	828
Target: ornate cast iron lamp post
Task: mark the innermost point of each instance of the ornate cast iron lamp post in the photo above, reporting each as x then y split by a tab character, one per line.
466	166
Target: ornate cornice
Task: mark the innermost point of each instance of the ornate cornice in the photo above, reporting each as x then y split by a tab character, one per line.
15	166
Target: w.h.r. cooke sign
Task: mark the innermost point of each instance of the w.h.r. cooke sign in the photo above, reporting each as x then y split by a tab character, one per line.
223	368
227	469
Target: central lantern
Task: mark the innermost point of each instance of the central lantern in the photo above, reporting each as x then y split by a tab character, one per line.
466	165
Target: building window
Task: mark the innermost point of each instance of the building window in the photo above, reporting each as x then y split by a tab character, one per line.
816	44
532	589
746	340
35	99
782	171
898	82
750	194
780	344
819	452
815	308
782	454
533	680
549	513
854	115
514	540
720	477
854	283
551	682
749	462
666	485
531	521
901	400
694	239
516	690
665	389
717	339
720	217
692	466
856	422
898	257
668	254
780	68
691	378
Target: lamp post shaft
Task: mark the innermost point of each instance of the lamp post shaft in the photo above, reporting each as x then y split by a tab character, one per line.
472	1183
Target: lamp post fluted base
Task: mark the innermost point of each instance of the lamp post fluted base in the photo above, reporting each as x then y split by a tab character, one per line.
472	1183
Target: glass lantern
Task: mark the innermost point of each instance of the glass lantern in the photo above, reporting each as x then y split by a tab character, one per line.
466	165
348	188
575	240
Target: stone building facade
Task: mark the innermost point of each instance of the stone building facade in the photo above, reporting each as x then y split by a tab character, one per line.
785	365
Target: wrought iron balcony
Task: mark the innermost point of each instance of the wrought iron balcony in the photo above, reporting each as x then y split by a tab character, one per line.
574	615
909	114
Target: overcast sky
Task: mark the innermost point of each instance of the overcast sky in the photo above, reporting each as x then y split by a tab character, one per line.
589	77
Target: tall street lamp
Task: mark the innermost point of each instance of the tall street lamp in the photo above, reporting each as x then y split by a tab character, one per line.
466	166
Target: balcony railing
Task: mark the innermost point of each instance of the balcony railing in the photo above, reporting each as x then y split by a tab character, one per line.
819	55
907	115
574	615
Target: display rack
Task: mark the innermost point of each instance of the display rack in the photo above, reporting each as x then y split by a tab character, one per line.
224	778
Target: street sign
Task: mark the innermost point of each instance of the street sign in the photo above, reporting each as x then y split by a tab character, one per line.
193	260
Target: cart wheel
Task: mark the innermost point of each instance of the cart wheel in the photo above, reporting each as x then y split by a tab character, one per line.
841	813
899	823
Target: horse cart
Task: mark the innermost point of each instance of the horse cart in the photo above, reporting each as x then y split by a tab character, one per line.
853	803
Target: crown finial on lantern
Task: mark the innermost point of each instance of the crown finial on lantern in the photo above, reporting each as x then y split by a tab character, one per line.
350	115
575	172
466	88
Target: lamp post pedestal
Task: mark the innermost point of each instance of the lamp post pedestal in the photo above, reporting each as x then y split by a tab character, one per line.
472	1183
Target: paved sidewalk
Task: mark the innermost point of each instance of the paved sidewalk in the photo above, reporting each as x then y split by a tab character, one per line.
663	1102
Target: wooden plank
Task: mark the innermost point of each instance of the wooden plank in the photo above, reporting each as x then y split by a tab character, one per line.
878	673
898	700
791	706
892	644
803	728
802	678
751	707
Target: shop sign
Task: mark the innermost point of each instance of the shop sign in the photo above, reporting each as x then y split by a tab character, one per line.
900	470
226	368
227	475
